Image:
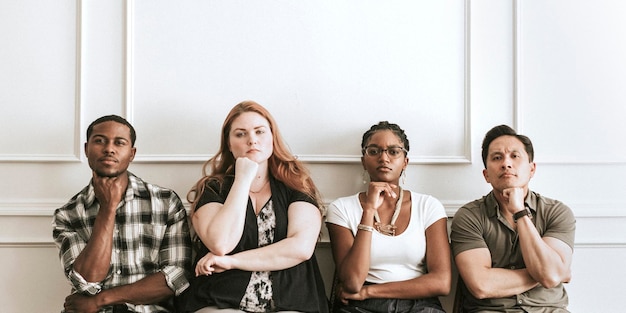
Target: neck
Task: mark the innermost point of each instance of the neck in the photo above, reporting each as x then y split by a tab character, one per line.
389	229
259	184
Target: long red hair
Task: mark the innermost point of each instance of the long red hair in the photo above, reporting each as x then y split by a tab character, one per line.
283	165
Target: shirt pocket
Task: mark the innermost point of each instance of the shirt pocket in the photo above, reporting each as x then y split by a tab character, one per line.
147	243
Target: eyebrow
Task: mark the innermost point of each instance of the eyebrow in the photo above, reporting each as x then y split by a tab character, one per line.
105	137
390	146
501	152
257	127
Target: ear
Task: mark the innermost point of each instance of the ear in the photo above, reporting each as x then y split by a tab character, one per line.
486	175
133	152
533	167
85	147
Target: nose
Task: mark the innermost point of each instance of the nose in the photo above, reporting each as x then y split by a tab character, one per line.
109	147
384	155
252	139
507	162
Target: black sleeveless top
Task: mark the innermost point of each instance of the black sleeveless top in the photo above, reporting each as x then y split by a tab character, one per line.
299	288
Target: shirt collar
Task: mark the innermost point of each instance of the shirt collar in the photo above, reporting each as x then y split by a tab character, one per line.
133	190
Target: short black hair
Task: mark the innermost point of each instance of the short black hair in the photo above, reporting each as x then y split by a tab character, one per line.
114	118
505	130
384	125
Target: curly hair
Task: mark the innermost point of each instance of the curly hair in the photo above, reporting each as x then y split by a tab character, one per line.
384	125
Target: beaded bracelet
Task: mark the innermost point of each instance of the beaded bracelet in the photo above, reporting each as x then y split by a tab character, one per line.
365	228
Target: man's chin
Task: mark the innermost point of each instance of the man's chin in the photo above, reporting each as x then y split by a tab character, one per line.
108	174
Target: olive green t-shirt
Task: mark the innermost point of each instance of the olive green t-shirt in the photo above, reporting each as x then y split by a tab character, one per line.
479	224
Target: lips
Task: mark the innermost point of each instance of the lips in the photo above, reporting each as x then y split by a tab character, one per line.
384	169
108	160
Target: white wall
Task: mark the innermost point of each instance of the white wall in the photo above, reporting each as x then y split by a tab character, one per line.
447	71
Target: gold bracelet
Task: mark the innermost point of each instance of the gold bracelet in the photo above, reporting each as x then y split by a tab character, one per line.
365	227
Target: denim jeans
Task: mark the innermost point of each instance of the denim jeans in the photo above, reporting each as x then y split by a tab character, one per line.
428	305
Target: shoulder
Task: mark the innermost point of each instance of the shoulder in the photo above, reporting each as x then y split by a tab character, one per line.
426	208
473	214
81	199
551	209
346	201
345	205
142	187
424	199
283	193
546	202
478	207
344	209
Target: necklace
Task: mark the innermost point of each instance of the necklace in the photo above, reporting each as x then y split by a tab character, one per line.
390	229
262	187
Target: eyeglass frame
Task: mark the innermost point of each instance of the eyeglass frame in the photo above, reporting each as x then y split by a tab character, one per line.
364	151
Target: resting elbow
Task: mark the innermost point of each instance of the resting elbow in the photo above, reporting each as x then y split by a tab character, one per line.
352	287
220	249
442	286
302	254
443	289
550	282
479	291
299	258
218	252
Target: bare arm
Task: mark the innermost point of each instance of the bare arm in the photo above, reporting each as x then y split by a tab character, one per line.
548	260
352	253
483	281
149	290
220	226
304	226
94	261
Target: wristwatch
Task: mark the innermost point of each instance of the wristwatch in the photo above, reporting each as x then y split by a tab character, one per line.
522	213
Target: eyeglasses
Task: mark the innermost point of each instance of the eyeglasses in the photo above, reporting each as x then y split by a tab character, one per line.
392	152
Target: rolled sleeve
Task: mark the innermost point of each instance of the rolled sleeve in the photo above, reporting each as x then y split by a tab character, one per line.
176	278
175	250
83	286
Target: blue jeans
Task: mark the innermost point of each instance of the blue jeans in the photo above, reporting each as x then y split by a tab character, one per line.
428	305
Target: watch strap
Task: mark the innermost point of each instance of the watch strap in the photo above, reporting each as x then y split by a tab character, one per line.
522	213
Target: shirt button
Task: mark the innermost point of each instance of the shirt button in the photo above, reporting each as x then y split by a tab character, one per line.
119	272
117	250
513	267
519	301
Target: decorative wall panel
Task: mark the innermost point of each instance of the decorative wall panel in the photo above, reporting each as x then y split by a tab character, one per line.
571	73
39	75
326	70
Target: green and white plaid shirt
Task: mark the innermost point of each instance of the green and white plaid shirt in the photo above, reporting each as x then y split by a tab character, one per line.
151	235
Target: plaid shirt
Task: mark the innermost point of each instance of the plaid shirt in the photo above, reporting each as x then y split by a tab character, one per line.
151	235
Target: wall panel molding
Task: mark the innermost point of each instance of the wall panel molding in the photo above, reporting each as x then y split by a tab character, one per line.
597	225
44	157
307	158
581	210
133	35
596	95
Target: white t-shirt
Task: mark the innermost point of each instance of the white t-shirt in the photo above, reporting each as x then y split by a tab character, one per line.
396	258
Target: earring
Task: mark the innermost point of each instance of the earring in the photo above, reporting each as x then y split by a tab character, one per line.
365	177
403	177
